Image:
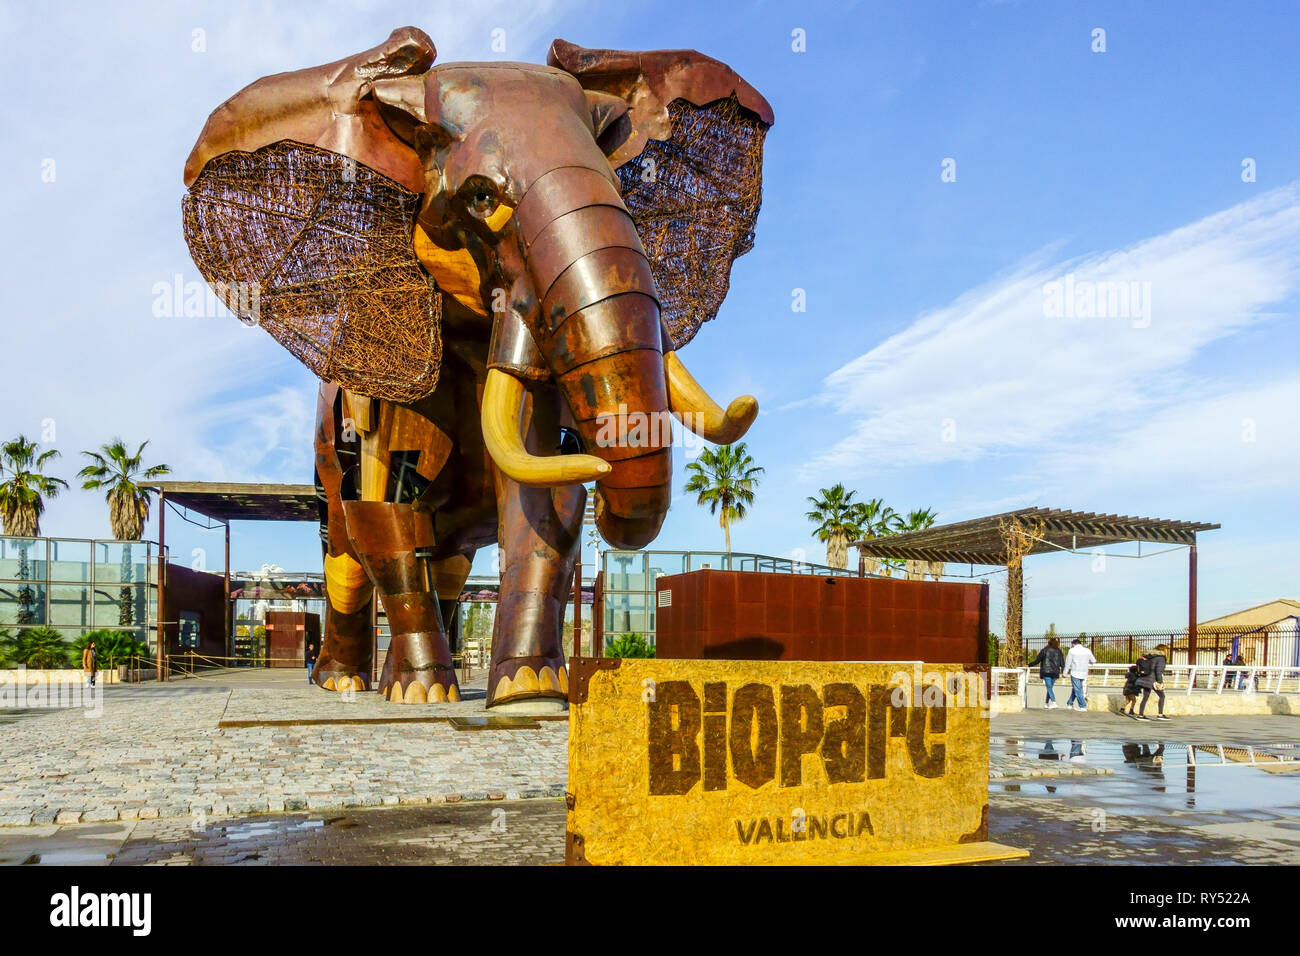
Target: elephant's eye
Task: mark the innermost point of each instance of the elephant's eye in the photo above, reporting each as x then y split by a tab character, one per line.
480	197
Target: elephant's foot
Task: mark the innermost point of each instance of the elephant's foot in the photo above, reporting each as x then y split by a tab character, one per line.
334	674
418	670
528	680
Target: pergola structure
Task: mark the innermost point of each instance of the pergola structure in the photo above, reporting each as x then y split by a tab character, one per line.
223	502
1004	539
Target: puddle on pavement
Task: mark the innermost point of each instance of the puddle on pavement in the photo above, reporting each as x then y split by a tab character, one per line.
1162	776
248	831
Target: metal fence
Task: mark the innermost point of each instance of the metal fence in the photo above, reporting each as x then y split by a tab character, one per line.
1270	645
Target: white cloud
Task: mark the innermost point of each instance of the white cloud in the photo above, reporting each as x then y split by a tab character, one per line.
1005	378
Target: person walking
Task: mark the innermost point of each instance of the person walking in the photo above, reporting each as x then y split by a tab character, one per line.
1077	663
1130	692
1050	663
89	663
1151	676
311	660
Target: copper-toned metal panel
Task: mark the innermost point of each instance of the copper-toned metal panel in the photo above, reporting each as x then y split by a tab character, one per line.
617	324
637	502
560	191
323	106
633	380
573	236
651	469
379	527
594	278
514	349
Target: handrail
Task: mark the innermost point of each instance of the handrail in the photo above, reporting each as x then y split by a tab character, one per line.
1245	678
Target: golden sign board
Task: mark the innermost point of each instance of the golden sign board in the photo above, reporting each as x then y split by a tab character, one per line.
777	762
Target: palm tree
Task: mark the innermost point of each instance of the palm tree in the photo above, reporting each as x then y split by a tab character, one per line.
835	515
24	486
724	478
118	473
916	521
874	519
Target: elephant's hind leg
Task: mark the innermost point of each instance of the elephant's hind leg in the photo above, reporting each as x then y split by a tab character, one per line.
345	656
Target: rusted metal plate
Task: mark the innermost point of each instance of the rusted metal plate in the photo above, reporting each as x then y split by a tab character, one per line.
490	722
774	762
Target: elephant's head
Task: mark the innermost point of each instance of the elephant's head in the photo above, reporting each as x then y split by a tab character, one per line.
591	208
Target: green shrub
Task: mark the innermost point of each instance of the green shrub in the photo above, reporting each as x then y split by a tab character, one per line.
629	645
111	647
41	648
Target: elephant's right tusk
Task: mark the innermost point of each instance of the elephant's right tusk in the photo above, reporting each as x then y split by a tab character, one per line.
503	398
700	413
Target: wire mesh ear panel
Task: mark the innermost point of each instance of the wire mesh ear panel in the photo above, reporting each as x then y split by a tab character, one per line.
695	198
317	249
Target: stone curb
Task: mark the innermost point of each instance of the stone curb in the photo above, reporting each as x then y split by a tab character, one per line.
314	802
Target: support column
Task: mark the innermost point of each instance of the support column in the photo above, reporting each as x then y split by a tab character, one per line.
162	586
1191	602
225	601
1015	611
577	607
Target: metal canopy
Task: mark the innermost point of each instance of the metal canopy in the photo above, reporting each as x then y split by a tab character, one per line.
979	541
226	502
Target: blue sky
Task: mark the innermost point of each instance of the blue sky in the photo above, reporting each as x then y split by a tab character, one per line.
925	306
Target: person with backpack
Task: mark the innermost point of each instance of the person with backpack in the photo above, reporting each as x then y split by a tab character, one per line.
1050	663
1077	663
1151	676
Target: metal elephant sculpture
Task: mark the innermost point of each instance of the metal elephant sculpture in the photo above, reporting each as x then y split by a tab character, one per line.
491	267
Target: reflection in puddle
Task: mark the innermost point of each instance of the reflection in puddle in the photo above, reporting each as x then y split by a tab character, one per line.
1172	776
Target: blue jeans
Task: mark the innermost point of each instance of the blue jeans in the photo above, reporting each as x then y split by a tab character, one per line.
1076	692
1048	682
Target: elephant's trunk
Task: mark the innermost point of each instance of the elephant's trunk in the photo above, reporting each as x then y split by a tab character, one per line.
599	332
593	313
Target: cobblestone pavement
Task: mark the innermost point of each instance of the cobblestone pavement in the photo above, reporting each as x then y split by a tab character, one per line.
305	777
159	752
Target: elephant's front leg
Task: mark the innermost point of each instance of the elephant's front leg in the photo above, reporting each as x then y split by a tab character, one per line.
539	532
393	541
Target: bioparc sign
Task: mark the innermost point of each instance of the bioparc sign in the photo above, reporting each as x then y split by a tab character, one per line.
777	762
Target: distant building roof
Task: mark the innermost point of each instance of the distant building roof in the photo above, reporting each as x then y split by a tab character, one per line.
1258	615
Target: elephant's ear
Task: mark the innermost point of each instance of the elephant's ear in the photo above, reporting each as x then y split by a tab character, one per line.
301	206
689	156
317	249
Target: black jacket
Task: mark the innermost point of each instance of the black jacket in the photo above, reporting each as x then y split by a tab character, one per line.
1151	670
1050	662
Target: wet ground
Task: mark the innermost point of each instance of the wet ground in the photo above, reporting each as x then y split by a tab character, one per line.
1165	802
1171	802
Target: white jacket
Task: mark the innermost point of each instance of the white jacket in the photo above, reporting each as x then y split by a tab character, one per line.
1078	661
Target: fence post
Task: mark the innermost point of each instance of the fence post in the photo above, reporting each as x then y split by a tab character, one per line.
1130	648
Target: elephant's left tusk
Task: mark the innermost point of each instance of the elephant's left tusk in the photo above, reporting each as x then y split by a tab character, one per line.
503	397
701	414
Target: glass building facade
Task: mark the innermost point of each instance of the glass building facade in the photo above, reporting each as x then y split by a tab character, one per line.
629	582
75	585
